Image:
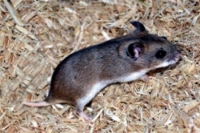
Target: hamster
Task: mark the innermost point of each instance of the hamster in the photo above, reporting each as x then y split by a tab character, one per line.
81	75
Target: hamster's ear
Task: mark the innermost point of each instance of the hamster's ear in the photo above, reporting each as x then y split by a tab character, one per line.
134	50
139	26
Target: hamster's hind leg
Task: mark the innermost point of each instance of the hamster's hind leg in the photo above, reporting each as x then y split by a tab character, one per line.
79	110
85	99
80	105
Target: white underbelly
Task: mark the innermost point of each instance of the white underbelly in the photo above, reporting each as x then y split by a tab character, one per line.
132	76
101	84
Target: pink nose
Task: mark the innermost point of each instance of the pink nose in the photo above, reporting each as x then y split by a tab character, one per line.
175	56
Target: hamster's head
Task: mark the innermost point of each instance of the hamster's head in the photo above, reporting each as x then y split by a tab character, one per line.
148	51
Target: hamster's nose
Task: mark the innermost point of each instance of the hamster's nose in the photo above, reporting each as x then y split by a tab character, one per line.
179	51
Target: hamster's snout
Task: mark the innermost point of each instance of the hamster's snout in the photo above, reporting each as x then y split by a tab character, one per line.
175	54
175	57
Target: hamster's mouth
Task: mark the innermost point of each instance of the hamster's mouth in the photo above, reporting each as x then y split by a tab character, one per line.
174	58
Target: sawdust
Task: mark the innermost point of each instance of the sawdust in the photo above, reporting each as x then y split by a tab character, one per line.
36	35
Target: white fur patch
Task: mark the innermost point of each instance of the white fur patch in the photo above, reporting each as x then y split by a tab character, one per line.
100	85
132	76
95	89
166	63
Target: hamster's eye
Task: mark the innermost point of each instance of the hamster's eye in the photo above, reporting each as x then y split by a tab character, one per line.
164	37
160	54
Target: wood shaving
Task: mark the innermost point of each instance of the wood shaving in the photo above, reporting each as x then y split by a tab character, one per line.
36	35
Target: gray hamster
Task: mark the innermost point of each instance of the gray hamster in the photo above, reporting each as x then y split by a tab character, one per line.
81	75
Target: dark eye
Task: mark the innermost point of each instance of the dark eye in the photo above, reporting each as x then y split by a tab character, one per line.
164	37
160	54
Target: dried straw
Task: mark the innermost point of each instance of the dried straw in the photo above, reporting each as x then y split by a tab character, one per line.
36	35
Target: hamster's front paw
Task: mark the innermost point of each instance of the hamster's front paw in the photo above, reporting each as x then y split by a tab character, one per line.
145	78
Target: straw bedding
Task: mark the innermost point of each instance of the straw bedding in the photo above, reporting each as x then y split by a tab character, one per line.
36	35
